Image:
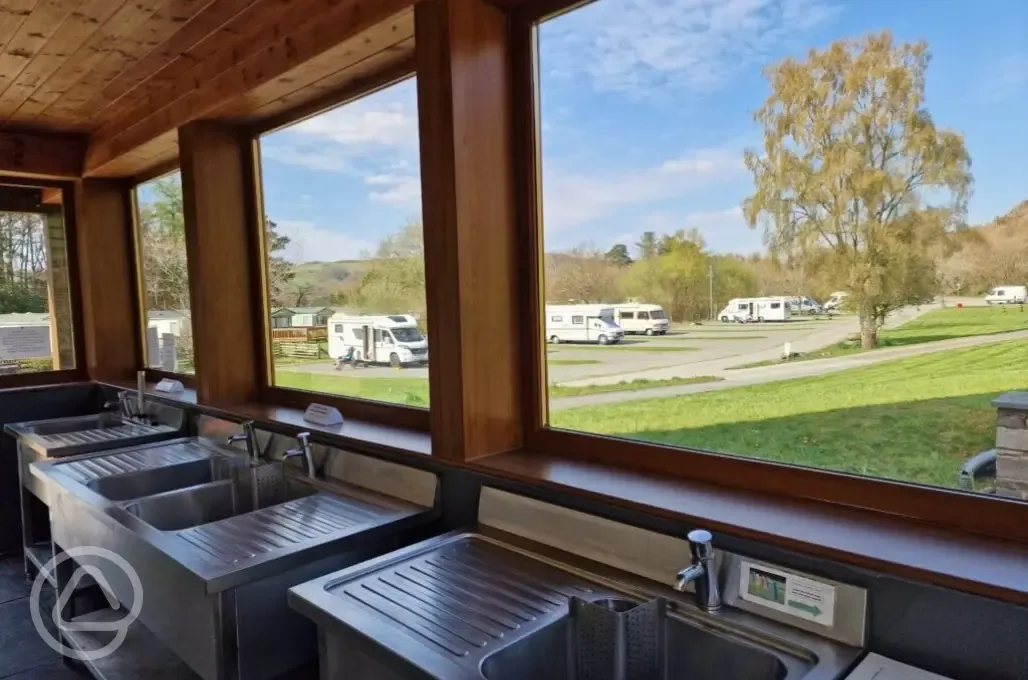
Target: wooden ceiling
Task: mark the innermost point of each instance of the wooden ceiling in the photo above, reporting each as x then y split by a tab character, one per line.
123	75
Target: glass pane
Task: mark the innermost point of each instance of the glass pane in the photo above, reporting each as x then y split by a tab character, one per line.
165	276
36	330
343	237
786	189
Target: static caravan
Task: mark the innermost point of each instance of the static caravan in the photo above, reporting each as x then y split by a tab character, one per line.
1007	295
582	323
641	318
393	339
756	309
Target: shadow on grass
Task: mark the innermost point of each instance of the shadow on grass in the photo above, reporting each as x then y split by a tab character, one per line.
917	441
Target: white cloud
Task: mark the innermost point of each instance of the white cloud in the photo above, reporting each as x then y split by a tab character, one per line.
574	199
639	46
311	242
314	159
1003	78
396	188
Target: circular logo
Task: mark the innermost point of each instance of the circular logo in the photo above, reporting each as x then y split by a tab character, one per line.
119	627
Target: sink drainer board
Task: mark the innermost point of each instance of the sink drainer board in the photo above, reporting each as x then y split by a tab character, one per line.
617	639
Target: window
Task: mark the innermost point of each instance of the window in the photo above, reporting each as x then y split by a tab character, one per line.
36	328
628	315
556	319
659	314
578	320
644	315
163	274
676	168
343	242
338	328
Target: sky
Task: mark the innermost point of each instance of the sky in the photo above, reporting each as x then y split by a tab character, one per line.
646	109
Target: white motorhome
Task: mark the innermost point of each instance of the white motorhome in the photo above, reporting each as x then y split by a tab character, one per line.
756	309
393	339
641	318
836	300
1007	295
582	323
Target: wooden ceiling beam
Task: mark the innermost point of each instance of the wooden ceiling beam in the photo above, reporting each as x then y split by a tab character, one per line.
38	155
233	72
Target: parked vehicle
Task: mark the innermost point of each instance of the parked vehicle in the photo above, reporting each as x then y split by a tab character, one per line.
1007	295
836	301
801	304
582	323
744	310
641	318
393	339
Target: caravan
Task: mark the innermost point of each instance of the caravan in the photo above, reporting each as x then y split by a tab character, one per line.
756	309
641	318
582	323
393	339
802	304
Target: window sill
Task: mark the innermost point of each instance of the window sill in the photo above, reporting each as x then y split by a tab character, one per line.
966	562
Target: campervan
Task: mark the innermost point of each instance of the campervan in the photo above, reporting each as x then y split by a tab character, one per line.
801	304
756	309
582	323
1007	295
393	339
836	301
641	318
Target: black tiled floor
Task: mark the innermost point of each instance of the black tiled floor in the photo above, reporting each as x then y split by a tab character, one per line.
23	654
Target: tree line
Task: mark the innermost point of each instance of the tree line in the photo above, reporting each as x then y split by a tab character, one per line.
23	263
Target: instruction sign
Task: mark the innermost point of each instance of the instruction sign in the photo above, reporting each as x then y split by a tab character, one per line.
788	593
24	342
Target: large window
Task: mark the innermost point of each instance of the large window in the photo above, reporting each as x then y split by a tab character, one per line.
786	190
344	252
36	327
164	277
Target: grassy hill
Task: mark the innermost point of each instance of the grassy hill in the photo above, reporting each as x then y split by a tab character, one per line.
325	278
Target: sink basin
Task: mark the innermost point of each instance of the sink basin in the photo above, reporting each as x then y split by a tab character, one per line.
692	652
203	504
158	480
99	421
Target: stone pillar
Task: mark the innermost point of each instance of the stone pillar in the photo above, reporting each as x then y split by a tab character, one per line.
1012	445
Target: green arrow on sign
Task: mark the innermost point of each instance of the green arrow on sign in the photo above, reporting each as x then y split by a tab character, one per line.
803	606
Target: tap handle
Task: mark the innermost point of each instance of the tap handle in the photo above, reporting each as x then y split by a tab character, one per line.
305	440
701	545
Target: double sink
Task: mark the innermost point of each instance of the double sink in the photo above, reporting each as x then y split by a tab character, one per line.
216	542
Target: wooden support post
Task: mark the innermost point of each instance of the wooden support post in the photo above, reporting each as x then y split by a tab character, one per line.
58	280
216	161
464	95
107	281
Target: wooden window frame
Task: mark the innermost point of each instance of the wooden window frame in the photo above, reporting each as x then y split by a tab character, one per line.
68	207
138	276
963	511
397	415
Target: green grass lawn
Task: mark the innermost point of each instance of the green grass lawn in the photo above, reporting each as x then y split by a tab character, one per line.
940	324
572	362
409	391
913	419
627	386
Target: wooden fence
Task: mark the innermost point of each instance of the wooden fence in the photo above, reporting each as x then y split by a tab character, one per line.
303	334
306	350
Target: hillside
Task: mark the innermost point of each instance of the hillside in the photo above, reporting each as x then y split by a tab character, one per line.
320	280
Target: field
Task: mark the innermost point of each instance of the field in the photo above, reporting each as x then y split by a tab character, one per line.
940	324
913	419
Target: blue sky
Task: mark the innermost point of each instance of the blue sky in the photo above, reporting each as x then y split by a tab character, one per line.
646	109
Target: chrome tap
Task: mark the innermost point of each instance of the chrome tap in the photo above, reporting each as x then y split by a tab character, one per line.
703	571
305	450
249	436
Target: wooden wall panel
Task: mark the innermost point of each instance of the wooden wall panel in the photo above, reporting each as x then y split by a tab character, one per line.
464	95
107	283
221	280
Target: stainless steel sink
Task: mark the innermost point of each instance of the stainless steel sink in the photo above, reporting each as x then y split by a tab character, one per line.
205	503
153	481
98	421
471	606
693	652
